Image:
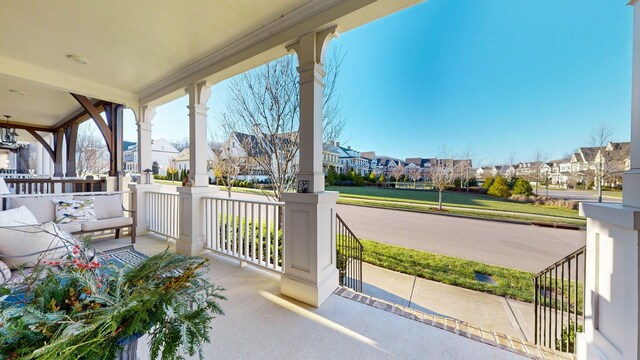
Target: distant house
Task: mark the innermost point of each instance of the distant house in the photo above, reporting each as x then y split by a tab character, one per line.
162	152
181	162
351	159
485	172
331	158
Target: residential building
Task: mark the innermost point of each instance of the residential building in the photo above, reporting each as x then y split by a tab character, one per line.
351	159
162	152
182	162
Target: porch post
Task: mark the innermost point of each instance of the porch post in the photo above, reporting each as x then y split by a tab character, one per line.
71	135
144	117
613	232
310	272
145	124
192	236
58	141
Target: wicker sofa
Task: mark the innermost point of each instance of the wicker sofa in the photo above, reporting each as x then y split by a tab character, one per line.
110	214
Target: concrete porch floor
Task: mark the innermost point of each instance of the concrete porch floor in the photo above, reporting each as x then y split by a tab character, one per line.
261	323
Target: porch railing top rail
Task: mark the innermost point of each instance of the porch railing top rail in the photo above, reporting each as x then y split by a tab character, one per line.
561	261
257	202
70	193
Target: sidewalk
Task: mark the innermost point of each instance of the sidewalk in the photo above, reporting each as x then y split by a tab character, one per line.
511	317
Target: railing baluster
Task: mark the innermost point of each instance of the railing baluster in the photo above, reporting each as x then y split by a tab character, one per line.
268	257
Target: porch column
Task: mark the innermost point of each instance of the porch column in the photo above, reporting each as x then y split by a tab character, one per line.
310	272
192	232
612	288
71	135
58	141
145	124
144	117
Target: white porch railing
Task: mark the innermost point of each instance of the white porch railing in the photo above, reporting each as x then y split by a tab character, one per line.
163	213
250	231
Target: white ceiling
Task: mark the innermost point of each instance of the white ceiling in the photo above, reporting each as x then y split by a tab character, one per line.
148	50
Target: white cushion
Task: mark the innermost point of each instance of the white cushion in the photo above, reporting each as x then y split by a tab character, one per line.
17	217
106	206
72	227
106	224
5	273
40	206
74	210
26	245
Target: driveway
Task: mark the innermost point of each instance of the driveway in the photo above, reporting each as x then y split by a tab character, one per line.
523	247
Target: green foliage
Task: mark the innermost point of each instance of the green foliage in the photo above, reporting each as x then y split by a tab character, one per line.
511	283
522	187
568	339
488	182
85	312
155	168
499	188
331	176
382	179
373	178
358	180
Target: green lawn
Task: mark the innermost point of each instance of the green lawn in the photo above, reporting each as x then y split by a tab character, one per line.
511	283
465	200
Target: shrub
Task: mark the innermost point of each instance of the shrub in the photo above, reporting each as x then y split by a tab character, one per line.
499	188
522	187
488	182
546	201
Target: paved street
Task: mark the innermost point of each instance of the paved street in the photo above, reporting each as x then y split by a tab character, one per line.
579	195
522	247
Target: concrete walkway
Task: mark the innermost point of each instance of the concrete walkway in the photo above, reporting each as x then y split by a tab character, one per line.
511	317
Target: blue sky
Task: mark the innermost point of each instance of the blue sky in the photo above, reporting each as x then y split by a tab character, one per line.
500	77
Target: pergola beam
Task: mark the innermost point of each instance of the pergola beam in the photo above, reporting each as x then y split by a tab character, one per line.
97	118
43	142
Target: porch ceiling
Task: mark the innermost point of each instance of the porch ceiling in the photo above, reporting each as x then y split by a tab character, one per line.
147	51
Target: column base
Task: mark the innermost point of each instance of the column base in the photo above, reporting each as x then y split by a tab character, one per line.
192	233
310	271
139	206
311	294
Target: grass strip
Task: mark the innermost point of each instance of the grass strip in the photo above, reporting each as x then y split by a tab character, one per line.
466	213
511	283
455	199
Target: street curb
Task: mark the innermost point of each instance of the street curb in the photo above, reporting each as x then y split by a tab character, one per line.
515	222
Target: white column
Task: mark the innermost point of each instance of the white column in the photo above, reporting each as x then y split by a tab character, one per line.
613	232
310	273
199	94
145	123
192	231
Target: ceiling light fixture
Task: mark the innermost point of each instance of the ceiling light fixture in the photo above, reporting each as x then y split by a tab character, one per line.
78	59
8	136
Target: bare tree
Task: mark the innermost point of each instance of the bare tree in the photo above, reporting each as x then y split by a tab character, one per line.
414	173
92	157
538	173
398	172
230	157
180	144
465	166
607	162
264	104
442	173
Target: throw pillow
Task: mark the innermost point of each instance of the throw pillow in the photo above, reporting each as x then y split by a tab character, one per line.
74	210
106	206
5	273
24	246
16	217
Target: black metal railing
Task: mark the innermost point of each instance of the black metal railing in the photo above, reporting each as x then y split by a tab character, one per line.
559	302
349	256
49	186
